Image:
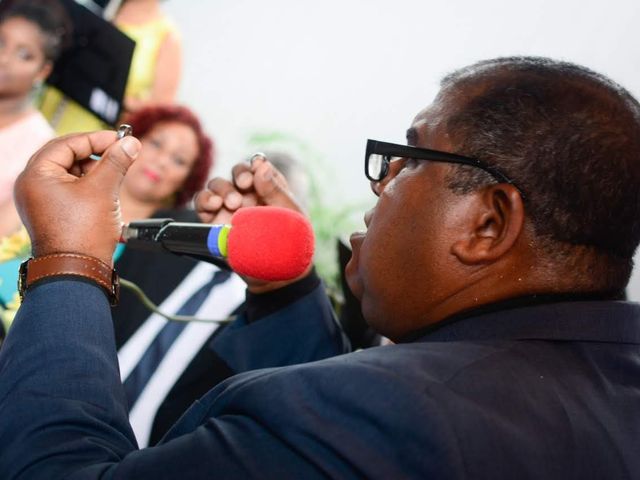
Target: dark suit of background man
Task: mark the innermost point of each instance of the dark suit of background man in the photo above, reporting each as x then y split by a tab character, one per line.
497	274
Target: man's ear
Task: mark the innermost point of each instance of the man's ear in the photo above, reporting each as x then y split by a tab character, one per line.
494	223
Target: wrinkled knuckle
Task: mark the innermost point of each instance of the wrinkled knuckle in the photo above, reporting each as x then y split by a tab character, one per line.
216	181
117	163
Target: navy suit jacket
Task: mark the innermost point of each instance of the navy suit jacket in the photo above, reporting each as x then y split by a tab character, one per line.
549	391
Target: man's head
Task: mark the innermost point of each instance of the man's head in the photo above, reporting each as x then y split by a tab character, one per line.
446	237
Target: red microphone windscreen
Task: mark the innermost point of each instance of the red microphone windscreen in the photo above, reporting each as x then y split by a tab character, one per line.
270	243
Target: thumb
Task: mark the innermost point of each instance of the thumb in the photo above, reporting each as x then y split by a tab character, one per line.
272	188
115	162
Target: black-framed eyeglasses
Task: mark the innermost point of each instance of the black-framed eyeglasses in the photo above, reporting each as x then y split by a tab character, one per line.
379	156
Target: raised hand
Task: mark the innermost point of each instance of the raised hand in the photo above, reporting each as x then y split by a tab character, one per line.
70	203
257	183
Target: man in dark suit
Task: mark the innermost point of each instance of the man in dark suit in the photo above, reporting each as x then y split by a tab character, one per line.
502	238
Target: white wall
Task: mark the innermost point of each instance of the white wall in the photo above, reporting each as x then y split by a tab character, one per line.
334	73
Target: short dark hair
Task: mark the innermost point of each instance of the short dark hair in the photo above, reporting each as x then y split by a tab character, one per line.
569	138
50	16
145	119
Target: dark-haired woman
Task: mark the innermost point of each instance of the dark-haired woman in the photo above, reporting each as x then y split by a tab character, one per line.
31	38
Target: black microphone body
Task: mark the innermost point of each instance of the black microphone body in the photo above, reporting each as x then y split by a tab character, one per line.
182	238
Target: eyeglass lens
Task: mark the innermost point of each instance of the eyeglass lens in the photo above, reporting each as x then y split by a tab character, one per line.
377	166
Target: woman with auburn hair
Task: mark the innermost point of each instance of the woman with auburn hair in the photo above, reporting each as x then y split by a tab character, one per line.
173	164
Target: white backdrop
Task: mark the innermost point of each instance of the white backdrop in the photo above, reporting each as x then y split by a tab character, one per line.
328	75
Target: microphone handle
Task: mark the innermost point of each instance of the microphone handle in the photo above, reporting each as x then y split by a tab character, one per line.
195	239
207	243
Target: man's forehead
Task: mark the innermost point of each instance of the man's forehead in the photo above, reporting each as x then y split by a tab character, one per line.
428	126
419	125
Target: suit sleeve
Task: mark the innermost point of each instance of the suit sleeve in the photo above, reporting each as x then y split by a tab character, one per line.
62	403
293	325
63	406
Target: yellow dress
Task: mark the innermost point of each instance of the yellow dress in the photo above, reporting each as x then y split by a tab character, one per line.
14	249
67	116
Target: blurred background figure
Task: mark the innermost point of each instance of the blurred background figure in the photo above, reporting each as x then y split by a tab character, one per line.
31	38
174	163
155	69
32	35
166	365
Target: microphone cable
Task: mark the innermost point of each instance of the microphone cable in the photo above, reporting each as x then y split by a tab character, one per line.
152	307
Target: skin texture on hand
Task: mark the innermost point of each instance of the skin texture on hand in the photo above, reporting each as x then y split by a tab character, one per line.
68	202
258	183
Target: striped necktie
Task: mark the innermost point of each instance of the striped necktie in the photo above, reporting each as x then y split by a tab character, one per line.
135	383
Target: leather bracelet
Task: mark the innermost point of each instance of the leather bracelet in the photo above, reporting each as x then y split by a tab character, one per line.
57	264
